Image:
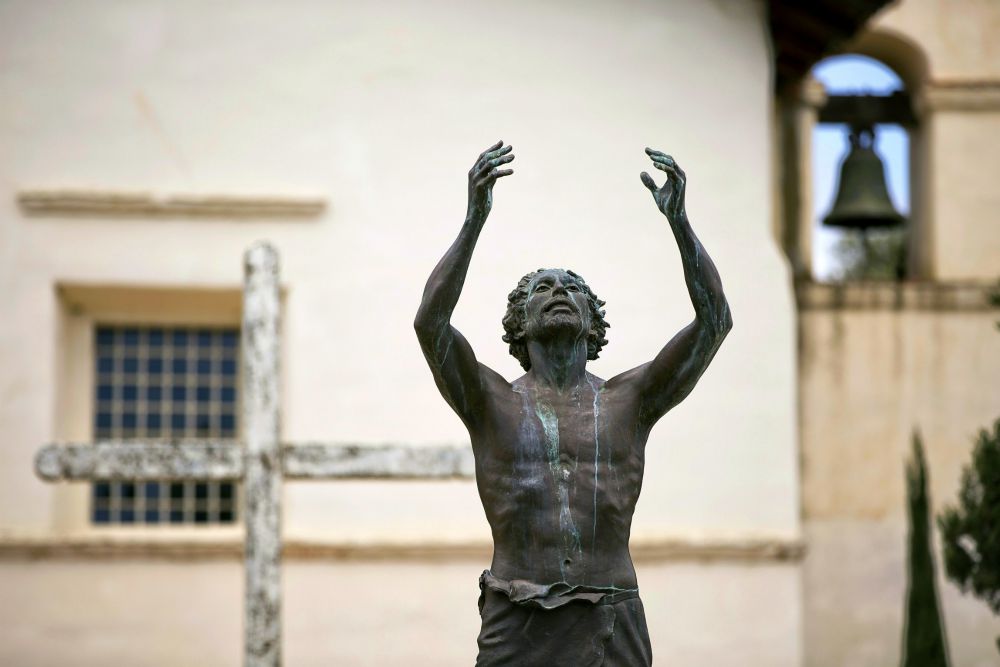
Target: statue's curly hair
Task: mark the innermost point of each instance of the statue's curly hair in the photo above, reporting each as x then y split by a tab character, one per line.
513	319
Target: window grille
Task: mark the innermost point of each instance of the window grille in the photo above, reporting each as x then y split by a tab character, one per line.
165	383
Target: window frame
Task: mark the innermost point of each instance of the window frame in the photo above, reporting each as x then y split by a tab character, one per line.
83	308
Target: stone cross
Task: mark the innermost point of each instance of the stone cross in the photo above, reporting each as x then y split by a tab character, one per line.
262	463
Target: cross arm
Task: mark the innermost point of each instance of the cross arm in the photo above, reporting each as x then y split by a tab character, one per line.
346	461
141	460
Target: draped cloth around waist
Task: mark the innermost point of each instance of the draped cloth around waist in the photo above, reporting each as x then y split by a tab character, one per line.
554	625
551	596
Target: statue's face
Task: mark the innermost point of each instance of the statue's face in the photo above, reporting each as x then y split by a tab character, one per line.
556	305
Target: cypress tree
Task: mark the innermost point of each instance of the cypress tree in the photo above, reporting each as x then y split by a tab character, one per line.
924	642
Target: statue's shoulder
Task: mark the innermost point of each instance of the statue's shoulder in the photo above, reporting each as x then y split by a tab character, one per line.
495	384
520	385
627	382
595	381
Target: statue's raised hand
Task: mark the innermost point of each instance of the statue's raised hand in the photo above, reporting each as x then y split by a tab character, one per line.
483	175
670	197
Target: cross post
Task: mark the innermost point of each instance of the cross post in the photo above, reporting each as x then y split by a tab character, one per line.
262	463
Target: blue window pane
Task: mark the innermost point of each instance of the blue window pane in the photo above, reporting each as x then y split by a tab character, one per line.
150	364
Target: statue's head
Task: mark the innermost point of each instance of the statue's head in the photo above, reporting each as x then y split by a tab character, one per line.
553	302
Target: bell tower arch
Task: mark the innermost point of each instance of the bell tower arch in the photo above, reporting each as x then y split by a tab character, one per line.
889	65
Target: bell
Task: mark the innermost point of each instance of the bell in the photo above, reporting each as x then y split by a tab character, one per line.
862	198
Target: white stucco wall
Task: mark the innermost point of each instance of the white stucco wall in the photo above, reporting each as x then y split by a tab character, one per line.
869	379
958	37
965	200
369	615
382	108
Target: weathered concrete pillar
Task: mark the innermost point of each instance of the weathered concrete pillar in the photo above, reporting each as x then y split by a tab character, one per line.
262	479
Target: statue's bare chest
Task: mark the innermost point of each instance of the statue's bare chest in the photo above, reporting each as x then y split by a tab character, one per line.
561	430
559	475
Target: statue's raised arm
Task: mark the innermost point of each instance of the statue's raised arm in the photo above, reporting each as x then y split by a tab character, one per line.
672	374
456	372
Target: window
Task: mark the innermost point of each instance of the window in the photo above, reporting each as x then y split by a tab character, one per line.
165	383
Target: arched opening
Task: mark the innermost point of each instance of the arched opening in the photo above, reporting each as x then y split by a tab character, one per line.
849	254
893	62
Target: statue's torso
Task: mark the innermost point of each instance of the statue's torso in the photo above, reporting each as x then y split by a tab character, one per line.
559	475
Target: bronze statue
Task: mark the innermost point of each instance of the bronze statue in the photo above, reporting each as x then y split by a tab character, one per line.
559	452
